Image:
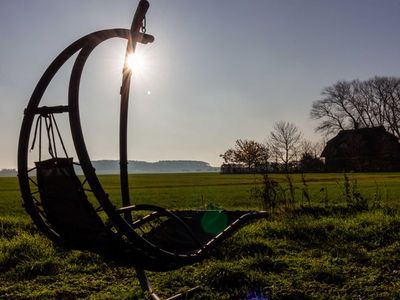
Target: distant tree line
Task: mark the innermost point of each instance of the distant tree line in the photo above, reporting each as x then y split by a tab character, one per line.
8	172
284	151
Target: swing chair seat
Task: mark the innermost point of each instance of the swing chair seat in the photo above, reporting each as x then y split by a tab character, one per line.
189	235
208	226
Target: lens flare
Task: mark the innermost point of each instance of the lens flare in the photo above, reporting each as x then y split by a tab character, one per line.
214	221
136	62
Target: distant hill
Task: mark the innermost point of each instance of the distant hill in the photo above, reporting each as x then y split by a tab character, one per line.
8	172
163	166
135	166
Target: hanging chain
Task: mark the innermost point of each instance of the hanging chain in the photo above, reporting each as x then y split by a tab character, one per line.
50	124
143	27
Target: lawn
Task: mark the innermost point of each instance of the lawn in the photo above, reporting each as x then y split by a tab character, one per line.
320	245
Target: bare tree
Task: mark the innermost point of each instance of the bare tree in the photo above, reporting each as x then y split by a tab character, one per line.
311	148
354	104
249	153
284	142
335	109
310	156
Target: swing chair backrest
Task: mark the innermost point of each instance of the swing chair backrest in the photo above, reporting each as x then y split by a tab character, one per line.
67	207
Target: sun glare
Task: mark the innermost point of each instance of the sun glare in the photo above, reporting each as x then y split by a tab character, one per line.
136	62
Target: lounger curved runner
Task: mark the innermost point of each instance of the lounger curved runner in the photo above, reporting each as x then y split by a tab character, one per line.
56	198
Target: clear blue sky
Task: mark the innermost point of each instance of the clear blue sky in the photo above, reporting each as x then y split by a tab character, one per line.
219	69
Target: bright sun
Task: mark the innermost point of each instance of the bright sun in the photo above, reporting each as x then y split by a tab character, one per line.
136	62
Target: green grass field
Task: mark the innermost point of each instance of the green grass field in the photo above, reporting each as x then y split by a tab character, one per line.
318	247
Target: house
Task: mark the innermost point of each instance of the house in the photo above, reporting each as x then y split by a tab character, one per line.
364	149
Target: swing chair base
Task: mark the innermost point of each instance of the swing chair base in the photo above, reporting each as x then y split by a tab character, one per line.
146	287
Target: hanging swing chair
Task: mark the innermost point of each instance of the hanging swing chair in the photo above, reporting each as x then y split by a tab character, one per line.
57	200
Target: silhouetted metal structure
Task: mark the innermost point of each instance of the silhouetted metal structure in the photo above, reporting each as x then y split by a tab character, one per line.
57	201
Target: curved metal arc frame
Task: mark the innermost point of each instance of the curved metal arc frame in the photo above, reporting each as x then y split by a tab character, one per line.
86	45
79	142
81	150
29	115
126	81
89	41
